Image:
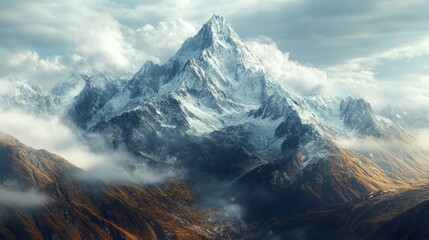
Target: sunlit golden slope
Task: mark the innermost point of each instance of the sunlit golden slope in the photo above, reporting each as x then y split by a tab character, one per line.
399	155
92	209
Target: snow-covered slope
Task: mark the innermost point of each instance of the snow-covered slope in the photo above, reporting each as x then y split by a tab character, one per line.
213	76
351	118
216	83
27	96
98	89
69	89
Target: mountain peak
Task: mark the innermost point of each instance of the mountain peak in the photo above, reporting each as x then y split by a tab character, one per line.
217	22
217	18
217	32
358	115
217	28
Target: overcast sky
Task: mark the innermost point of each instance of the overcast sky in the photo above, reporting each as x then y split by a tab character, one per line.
376	49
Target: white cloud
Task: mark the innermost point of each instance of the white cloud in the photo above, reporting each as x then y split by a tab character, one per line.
28	64
288	72
32	61
370	62
5	86
418	148
423	138
12	195
60	31
357	78
44	41
133	12
162	41
404	88
64	36
52	135
369	144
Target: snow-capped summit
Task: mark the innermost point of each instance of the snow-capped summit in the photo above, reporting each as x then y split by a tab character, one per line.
217	33
213	75
213	86
218	28
215	82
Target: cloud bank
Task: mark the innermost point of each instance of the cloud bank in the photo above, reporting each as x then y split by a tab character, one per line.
11	195
39	45
51	134
286	71
357	78
371	41
375	49
423	138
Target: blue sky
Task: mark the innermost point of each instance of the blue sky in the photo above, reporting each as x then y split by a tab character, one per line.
373	49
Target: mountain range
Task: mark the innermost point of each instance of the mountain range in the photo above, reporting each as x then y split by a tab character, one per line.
289	165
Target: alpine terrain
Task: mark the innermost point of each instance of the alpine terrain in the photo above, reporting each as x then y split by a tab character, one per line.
252	159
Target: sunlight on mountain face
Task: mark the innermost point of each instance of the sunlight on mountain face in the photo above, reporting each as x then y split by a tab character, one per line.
213	137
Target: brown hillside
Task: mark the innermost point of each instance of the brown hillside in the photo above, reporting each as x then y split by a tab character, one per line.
92	210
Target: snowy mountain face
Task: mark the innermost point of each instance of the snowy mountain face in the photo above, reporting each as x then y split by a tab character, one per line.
69	89
27	96
211	112
98	89
217	84
358	115
213	76
65	97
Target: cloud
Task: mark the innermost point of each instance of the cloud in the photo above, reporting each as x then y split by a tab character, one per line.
357	78
423	138
132	13
288	72
11	195
45	41
28	64
369	144
382	77
40	38
70	24
51	134
161	41
233	210
370	46
121	169
5	86
378	50
325	35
